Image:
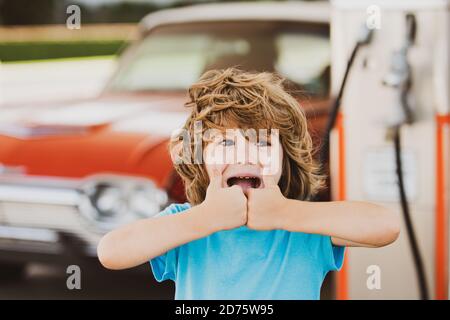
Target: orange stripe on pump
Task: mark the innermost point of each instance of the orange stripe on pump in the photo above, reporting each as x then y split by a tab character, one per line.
342	275
441	221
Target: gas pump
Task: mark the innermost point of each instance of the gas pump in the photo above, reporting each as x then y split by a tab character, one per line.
390	141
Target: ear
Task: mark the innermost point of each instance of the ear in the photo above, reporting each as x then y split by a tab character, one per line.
176	152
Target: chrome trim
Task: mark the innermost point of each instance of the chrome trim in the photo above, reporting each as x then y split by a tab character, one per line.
301	11
126	186
62	204
40	181
57	191
28	234
12	169
42	195
40	240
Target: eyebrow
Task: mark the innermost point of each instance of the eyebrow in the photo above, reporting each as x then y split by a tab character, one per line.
259	136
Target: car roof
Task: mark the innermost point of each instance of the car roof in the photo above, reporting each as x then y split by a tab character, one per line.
317	11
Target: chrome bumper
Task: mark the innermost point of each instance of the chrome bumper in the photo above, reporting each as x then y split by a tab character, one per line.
36	213
41	242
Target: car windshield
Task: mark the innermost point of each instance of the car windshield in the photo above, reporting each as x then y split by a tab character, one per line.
172	57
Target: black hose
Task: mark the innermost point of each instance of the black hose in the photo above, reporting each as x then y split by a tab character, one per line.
324	151
420	271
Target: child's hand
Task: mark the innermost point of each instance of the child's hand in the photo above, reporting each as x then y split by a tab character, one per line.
266	206
224	208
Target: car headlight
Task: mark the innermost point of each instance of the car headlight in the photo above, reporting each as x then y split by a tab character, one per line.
109	202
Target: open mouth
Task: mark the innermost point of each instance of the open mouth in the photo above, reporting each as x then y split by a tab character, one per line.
245	182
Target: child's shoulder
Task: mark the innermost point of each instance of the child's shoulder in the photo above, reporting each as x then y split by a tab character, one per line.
174	208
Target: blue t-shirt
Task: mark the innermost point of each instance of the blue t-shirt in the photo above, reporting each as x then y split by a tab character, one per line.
247	264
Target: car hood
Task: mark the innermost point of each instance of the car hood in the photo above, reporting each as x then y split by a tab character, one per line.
88	137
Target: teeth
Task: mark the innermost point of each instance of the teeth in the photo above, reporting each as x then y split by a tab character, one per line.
255	181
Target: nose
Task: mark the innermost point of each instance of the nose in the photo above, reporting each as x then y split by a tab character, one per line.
250	155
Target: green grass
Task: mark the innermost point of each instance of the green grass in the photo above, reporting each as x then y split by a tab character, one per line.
109	57
25	51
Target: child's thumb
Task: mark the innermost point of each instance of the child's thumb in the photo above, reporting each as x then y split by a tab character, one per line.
268	177
216	178
269	181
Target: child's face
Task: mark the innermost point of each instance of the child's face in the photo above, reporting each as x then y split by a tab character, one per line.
243	161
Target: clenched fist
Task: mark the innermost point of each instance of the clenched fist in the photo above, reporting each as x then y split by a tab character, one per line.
224	208
266	206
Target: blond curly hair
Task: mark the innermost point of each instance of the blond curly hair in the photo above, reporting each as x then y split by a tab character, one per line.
258	100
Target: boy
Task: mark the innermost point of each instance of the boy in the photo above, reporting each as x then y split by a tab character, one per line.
248	231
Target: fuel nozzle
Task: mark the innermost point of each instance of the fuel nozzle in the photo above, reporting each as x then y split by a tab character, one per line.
399	76
400	79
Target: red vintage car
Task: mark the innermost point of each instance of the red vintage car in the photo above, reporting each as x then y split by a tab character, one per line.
69	172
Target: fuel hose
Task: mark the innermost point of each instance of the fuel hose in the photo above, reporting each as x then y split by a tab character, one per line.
324	151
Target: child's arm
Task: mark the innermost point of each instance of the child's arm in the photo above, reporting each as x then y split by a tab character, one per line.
140	241
349	223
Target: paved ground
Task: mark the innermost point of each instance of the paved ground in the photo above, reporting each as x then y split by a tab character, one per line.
49	282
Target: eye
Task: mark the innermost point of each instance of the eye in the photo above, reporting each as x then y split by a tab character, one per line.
227	142
263	143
